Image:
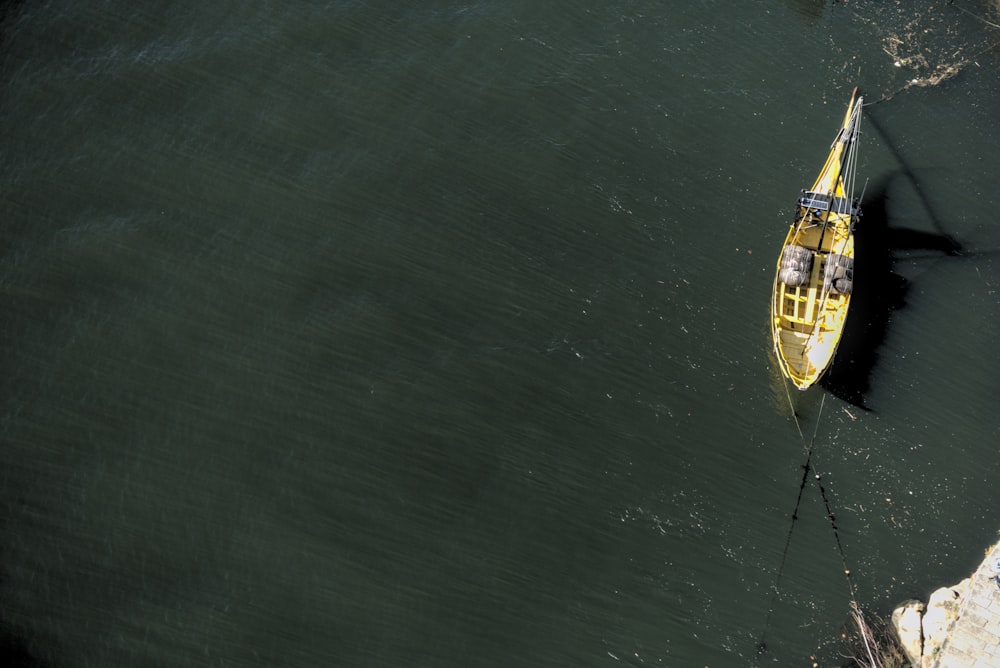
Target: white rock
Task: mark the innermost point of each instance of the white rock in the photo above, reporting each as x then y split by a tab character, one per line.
941	613
906	621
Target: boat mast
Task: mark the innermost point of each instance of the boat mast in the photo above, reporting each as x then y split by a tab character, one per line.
847	136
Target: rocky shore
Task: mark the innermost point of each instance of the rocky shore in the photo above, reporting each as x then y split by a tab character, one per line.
958	626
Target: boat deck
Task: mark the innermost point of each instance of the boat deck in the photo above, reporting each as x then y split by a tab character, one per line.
809	321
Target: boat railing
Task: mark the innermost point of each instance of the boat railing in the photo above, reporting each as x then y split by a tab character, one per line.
819	202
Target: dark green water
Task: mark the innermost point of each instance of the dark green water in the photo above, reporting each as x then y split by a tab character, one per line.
355	334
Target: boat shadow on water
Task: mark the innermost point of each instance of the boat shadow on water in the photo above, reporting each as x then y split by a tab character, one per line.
879	289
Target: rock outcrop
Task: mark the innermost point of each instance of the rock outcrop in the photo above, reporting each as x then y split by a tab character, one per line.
906	620
922	629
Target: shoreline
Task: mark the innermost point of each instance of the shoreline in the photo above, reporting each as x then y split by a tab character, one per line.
958	626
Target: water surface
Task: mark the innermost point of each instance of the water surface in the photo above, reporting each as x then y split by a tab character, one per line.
351	334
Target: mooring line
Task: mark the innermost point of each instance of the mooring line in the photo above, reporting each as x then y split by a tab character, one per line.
795	415
776	588
829	512
806	469
836	534
940	74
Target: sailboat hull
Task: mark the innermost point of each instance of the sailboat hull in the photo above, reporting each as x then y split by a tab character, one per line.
814	277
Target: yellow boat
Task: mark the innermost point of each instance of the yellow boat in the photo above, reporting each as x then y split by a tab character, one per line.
815	272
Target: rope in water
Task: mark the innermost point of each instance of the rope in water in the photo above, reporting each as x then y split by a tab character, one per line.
795	415
836	534
806	468
940	74
776	588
